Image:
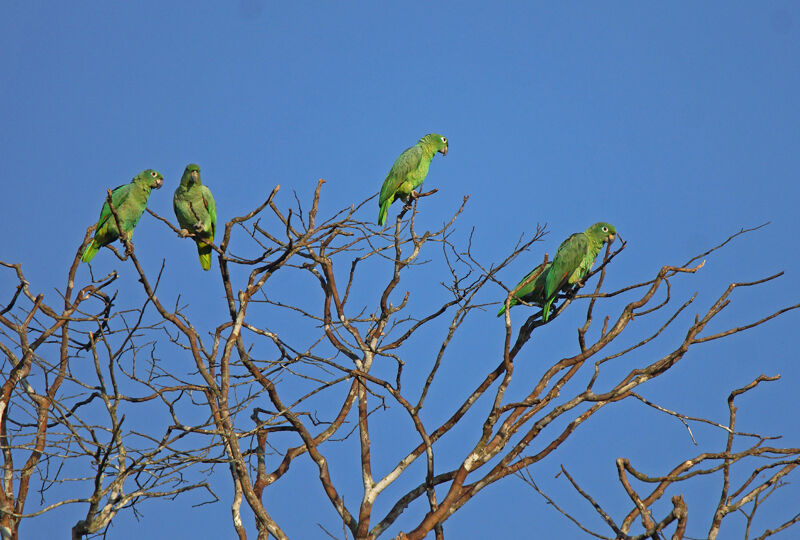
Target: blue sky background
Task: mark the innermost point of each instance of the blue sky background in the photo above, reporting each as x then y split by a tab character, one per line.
679	123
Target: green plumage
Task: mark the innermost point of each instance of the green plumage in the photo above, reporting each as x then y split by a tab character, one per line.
196	212
533	292
573	260
409	171
129	201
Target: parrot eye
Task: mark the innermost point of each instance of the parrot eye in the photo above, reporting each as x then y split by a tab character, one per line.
605	229
153	174
444	139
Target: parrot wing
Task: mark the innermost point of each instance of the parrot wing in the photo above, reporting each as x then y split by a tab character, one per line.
408	161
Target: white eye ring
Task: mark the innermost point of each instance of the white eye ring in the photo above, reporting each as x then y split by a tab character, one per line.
605	229
444	139
153	174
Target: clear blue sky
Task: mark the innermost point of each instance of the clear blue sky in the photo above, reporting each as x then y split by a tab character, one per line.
677	122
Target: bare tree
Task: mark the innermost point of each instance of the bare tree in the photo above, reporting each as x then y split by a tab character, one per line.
340	344
65	419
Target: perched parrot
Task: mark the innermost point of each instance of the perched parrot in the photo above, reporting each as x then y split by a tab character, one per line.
573	260
129	202
409	171
196	212
532	293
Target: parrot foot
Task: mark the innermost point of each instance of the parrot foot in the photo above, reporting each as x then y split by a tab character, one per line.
198	227
125	238
184	233
413	195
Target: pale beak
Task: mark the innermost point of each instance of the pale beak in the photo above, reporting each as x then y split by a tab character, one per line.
443	151
610	238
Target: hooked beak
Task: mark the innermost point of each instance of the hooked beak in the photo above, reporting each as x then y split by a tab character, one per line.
443	151
194	176
610	238
158	183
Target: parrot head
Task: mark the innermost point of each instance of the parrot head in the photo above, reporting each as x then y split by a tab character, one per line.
602	232
439	142
152	178
191	174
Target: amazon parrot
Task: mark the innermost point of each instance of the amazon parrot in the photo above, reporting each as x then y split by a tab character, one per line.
533	292
409	171
573	260
129	202
196	212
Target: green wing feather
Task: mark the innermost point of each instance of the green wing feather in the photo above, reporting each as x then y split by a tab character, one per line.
203	249
408	162
211	206
118	196
106	230
533	292
568	258
404	165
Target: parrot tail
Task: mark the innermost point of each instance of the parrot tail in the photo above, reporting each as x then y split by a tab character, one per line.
546	310
503	307
384	209
90	251
204	250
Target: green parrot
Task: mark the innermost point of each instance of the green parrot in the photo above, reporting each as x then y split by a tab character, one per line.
129	201
573	260
196	212
409	171
532	293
